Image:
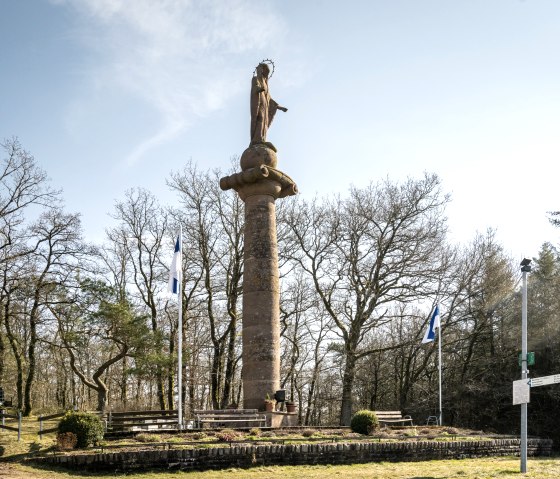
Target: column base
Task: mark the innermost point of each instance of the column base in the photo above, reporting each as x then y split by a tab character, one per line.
278	419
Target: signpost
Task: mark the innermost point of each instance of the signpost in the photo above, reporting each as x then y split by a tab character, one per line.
525	268
522	395
544	381
522	387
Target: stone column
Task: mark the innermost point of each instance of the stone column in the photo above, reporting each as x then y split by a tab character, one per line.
261	300
259	186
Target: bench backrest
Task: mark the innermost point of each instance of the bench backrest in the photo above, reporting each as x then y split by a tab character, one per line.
211	412
388	414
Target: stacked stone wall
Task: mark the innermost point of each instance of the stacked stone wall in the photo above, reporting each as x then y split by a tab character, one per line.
244	456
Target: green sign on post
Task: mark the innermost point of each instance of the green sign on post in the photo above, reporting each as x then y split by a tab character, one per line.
530	359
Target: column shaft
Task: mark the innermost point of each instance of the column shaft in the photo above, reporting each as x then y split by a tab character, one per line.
261	302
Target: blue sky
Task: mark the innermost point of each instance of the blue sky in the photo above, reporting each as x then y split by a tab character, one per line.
112	94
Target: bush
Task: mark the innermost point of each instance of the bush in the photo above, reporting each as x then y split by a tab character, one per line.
146	437
86	426
227	435
255	431
364	422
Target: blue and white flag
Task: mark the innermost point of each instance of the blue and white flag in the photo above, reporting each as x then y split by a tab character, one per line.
434	324
175	269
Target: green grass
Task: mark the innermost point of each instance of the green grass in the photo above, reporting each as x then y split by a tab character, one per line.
487	468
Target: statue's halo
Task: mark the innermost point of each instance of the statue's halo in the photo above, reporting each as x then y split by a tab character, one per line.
267	61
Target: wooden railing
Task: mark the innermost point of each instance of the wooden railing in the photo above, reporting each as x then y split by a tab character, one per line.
4	416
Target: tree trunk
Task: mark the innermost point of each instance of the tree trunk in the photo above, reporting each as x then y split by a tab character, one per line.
27	406
101	397
171	372
215	380
347	384
230	366
2	355
17	355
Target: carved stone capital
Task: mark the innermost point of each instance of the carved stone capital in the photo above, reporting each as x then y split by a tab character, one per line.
261	180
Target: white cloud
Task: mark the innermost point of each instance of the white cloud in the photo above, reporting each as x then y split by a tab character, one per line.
184	58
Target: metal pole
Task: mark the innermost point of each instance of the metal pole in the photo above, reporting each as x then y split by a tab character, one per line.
180	338
439	364
524	371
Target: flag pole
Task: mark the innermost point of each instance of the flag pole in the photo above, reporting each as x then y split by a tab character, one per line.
439	367
429	336
180	338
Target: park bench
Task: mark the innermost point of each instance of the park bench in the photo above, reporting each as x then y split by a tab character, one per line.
127	421
232	418
387	418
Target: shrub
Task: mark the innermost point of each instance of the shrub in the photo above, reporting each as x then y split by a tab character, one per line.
255	431
364	422
308	432
86	426
66	441
146	437
227	435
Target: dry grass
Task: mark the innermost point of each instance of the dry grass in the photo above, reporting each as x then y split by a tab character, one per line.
488	468
12	454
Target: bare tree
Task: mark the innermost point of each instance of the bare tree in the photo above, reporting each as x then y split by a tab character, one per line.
57	247
375	248
22	184
213	225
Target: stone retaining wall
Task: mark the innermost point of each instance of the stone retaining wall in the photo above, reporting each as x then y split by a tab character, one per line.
295	454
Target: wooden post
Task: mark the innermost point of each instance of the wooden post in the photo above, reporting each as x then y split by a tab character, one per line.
19	427
40	427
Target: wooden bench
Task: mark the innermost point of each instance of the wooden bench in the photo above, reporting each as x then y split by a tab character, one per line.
141	420
233	418
392	417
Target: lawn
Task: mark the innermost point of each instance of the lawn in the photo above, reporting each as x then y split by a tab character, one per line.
14	453
487	468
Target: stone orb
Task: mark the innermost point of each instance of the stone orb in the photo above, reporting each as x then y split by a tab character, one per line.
257	155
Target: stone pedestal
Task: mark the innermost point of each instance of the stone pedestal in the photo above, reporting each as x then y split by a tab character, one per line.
278	419
259	185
